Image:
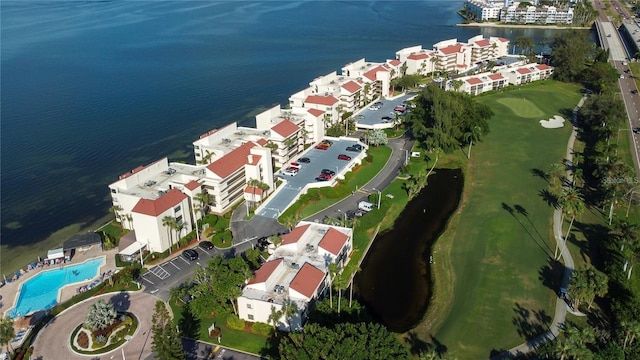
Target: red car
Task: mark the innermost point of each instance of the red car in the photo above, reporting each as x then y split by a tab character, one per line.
344	157
322	147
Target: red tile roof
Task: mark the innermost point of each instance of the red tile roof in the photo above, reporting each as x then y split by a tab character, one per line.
523	71
451	49
418	56
307	280
253	190
496	76
333	241
371	74
261	275
395	62
158	206
262	142
294	235
232	161
253	159
503	39
483	43
192	185
315	112
321	100
474	81
285	128
543	67
351	87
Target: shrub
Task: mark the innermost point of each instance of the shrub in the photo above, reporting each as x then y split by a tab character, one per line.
83	340
100	340
235	322
261	329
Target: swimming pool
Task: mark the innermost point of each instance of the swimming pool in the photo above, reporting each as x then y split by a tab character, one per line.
41	291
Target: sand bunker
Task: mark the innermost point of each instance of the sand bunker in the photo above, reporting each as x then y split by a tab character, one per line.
553	123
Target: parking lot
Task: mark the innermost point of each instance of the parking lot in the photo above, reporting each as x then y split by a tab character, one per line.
368	117
308	172
161	278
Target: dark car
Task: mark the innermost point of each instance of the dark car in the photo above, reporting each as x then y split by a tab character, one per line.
327	171
190	254
386	119
328	142
354	148
344	157
636	130
205	245
304	160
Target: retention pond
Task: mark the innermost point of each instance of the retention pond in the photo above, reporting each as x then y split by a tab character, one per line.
395	281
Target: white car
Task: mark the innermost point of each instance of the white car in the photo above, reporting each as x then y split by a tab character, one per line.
290	171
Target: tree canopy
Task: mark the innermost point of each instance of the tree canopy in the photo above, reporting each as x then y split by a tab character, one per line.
218	285
344	341
570	54
442	118
166	344
101	314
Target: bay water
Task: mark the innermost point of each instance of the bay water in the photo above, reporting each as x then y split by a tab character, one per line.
92	89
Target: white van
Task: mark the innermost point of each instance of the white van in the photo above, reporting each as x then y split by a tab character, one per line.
366	206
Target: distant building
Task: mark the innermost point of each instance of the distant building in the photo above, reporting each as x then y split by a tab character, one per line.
517	74
518	12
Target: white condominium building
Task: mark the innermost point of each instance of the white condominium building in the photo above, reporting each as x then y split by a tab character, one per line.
296	273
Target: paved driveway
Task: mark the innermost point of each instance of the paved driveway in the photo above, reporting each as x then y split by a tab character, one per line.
52	342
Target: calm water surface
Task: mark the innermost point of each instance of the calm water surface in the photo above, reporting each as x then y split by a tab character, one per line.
91	90
395	281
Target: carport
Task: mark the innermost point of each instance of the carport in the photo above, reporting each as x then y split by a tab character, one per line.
129	248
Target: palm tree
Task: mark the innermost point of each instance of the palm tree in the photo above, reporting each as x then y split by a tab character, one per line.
289	310
555	171
177	227
572	205
473	134
628	234
274	318
340	282
168	222
333	271
437	151
7	332
116	212
631	331
101	314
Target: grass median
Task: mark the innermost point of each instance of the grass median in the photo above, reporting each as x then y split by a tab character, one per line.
492	261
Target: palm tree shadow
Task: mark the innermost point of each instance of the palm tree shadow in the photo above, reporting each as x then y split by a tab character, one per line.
530	323
541	174
511	210
551	275
522	211
548	197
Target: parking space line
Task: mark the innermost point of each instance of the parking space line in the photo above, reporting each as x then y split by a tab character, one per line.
147	280
205	251
171	262
185	261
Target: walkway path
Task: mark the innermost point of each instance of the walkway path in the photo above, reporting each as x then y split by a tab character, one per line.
561	306
53	340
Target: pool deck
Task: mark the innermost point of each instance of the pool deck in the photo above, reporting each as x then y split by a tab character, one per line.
9	292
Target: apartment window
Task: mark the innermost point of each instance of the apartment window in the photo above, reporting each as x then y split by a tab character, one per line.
113	191
250	317
249	306
197	147
179	219
176	209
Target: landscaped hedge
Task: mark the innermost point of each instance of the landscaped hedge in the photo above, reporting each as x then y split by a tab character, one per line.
235	322
261	329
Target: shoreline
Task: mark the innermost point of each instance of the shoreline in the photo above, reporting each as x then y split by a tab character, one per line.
520	26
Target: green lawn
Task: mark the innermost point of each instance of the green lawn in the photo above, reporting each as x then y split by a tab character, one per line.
501	239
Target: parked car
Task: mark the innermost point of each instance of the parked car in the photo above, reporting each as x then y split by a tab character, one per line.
190	254
323	177
304	160
290	171
327	171
327	142
322	146
344	157
205	245
354	148
636	130
400	109
387	119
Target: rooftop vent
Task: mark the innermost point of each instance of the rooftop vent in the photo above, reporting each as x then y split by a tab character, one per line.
295	266
226	141
150	183
310	247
